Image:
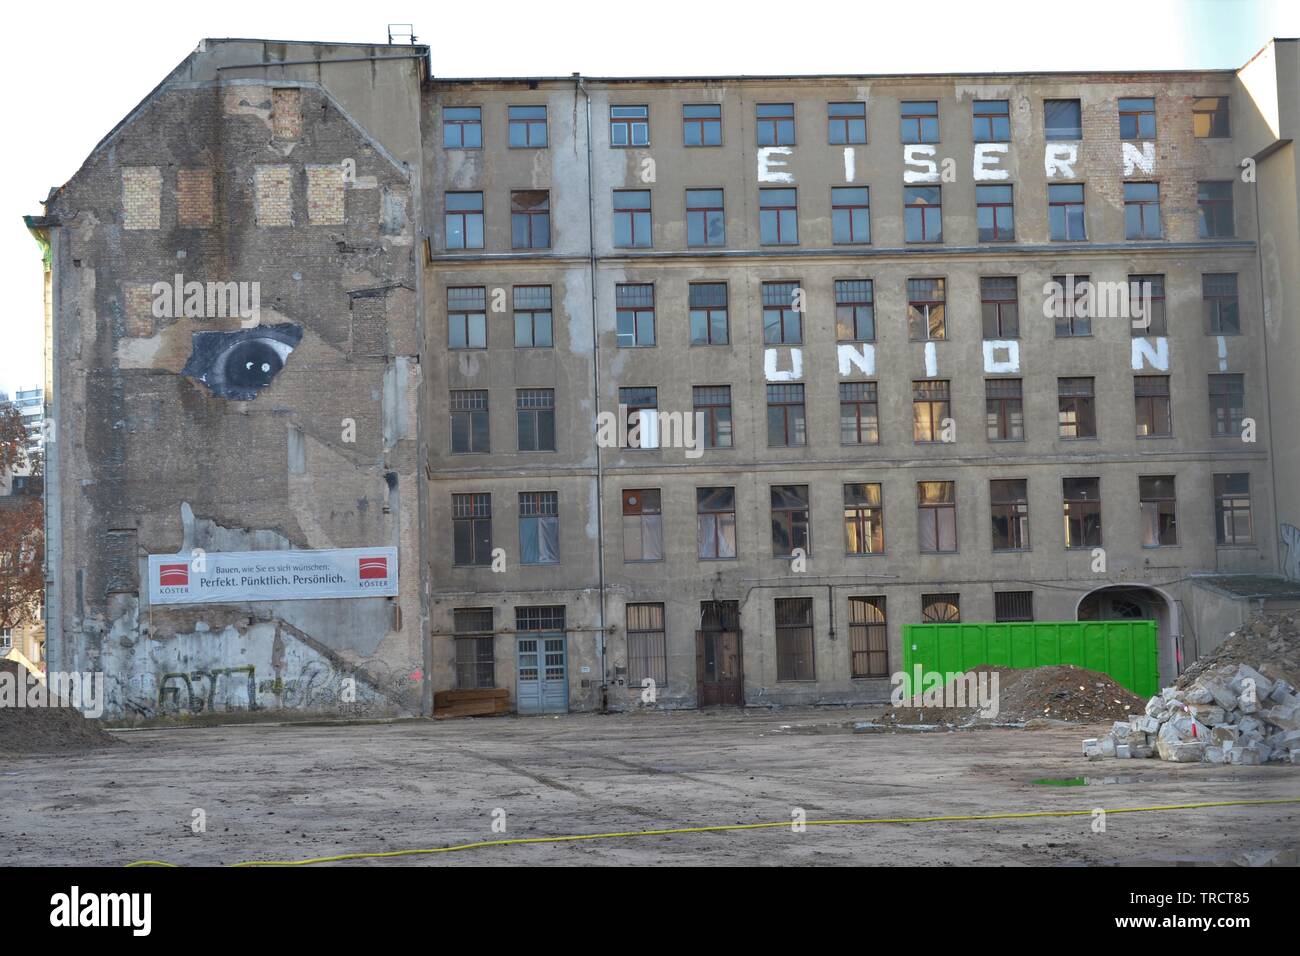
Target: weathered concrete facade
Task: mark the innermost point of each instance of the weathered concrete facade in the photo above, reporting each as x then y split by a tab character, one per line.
528	538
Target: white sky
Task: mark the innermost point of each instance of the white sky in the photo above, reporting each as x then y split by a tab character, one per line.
74	70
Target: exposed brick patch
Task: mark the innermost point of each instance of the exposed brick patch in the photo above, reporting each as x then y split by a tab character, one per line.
138	304
286	113
325	194
273	195
194	202
141	197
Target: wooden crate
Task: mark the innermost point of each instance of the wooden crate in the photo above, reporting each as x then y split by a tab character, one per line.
471	703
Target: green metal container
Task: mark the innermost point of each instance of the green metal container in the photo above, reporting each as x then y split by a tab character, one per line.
1126	650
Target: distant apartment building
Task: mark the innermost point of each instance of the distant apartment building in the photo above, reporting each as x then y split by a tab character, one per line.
683	391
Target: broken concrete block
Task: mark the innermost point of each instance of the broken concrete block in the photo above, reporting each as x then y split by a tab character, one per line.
1123	751
1285	716
1093	753
1169	694
1223	733
1285	740
1198	694
1107	744
1248	701
1156	707
1088	744
1216	755
1250	726
1263	686
1244	757
1222	694
1141	751
1281	690
1147	725
1209	714
1121	730
1187	751
1294	756
1189	728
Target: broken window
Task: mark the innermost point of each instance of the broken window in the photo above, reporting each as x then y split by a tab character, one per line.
1227	404
643	528
1214	201
539	527
1210	117
1232	518
1151	400
790	526
926	300
1146	296
715	519
1219	293
864	519
530	219
1082	510
642	430
1009	501
1159	510
1076	408
635	314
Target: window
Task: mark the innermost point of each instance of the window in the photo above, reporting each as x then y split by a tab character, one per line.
715	522
1009	500
1159	511
1146	295
527	126
848	123
1011	606
864	519
995	213
535	411
855	312
705	222
782	322
530	219
859	414
785	416
794	639
1151	399
1215	203
1232	520
533	323
462	127
922	214
919	121
778	217
936	505
647	645
1076	408
868	637
775	122
464	221
1219	293
1141	210
469	422
6	637
635	307
1082	504
702	124
1227	405
1004	409
629	126
1072	305
790	527
471	518
539	527
474	637
467	317
643	525
925	309
643	429
941	608
991	121
931	406
1062	120
1065	218
999	311
631	218
1137	118
708	306
530	620
851	214
1210	117
714	403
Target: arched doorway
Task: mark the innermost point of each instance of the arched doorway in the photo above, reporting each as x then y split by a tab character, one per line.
1126	602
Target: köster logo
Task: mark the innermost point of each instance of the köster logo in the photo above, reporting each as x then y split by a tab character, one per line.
173	575
373	569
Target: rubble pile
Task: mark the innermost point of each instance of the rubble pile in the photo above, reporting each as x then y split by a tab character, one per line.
1226	714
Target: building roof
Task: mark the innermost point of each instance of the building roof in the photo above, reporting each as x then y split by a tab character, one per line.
1271	586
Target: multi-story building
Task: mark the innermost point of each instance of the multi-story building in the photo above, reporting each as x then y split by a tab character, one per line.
700	388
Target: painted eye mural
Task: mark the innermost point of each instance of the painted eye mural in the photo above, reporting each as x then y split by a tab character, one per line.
238	365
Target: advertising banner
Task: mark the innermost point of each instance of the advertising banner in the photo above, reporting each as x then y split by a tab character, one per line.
228	577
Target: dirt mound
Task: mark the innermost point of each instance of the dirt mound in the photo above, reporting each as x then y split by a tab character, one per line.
1063	692
1270	643
27	730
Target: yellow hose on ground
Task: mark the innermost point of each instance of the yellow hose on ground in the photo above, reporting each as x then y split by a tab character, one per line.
573	838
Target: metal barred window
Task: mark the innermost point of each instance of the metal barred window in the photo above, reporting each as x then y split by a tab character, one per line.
1010	606
942	608
475	656
868	637
794	639
539	618
647	644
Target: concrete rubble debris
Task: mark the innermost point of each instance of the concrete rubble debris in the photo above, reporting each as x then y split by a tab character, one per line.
1230	714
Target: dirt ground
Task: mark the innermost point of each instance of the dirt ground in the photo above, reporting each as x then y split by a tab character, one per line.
286	792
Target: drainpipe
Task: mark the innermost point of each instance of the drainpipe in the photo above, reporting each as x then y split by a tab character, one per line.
602	634
1268	384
